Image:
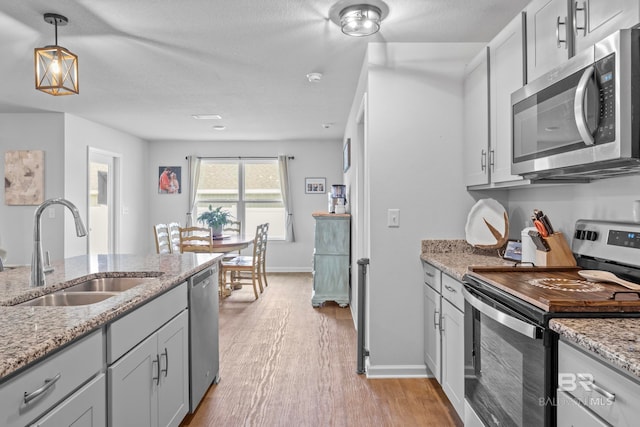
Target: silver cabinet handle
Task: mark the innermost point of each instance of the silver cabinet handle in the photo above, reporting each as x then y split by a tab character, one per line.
436	319
48	383
592	383
429	274
156	362
166	362
559	41
450	289
576	27
578	106
483	160
441	324
492	160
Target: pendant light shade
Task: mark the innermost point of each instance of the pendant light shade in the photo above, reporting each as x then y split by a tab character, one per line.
360	20
56	68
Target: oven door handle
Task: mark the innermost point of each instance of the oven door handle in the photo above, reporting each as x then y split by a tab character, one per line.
510	322
579	109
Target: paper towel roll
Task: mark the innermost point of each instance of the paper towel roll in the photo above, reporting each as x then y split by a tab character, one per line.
528	247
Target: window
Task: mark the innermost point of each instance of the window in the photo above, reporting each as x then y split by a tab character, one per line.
248	188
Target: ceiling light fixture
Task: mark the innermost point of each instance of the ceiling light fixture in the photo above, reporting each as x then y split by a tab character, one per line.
56	68
314	77
219	127
360	20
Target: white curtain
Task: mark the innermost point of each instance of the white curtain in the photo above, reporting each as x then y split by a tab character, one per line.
283	163
194	177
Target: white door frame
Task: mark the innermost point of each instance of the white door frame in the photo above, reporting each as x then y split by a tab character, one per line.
113	195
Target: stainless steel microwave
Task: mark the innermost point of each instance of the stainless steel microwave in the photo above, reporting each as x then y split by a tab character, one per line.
581	120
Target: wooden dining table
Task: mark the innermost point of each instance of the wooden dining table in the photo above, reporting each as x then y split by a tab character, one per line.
224	245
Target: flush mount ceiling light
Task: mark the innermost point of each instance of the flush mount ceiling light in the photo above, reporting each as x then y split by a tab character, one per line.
56	68
360	20
314	77
207	116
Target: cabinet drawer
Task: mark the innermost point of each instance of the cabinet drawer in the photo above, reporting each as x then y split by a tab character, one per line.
86	407
332	236
452	291
75	365
431	276
573	364
128	331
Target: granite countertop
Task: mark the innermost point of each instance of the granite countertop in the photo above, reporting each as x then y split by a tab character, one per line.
30	333
616	340
454	257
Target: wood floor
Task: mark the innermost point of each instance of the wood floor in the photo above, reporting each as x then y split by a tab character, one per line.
284	363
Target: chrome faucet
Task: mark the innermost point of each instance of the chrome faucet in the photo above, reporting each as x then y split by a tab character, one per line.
37	268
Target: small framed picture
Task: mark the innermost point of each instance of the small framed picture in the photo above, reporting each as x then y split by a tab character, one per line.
315	185
346	155
169	178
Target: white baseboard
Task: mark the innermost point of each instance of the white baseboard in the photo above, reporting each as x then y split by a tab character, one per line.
289	270
397	371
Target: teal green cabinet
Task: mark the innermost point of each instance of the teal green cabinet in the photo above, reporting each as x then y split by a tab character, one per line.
331	259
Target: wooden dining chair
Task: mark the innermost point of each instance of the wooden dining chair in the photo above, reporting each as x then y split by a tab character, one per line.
263	254
245	270
196	239
174	237
161	234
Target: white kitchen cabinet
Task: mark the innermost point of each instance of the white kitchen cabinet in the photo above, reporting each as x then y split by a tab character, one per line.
444	333
476	120
87	407
149	385
432	314
599	391
556	29
29	395
506	75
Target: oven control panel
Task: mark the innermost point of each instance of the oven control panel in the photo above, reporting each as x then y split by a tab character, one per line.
608	240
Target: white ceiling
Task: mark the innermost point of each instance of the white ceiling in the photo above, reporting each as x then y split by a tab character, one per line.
145	66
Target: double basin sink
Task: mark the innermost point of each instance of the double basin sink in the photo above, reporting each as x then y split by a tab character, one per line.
88	292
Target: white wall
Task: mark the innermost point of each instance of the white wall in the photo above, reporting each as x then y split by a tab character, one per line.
415	163
45	132
322	158
564	204
133	213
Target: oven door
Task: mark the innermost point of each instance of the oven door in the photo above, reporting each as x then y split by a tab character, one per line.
505	380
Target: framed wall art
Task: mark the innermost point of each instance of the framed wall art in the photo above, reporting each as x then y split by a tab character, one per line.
346	155
24	177
169	179
315	185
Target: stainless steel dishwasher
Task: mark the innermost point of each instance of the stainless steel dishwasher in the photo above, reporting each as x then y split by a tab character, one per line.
204	357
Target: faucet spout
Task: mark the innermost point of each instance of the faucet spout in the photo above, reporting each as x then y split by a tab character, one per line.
37	268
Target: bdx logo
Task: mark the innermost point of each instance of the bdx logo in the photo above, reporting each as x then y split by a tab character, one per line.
568	381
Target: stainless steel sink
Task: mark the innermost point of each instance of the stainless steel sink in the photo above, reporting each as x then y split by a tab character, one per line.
69	299
108	284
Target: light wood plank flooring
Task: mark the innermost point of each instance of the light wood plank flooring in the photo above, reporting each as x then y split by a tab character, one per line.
284	363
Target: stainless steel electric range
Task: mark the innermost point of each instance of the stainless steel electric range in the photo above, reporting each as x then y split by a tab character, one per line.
511	373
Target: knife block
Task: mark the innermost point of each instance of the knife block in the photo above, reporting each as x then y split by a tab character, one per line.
559	254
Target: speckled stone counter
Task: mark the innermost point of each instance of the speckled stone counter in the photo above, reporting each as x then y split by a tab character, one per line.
30	333
615	340
454	257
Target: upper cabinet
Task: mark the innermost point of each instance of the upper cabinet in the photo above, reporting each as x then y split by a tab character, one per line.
490	78
556	29
506	75
476	120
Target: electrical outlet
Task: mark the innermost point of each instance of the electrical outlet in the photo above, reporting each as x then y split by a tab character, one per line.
393	218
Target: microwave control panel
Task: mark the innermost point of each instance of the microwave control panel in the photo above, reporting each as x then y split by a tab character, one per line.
606	83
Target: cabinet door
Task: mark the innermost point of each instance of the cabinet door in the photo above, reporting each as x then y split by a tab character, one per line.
571	414
330	279
453	355
596	19
132	386
432	331
545	27
476	120
506	76
85	408
173	391
332	236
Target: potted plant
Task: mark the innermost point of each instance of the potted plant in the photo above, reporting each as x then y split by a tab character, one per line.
215	219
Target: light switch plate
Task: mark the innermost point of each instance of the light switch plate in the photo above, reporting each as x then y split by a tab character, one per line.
393	218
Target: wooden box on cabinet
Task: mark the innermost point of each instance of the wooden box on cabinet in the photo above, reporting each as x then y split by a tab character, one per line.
331	259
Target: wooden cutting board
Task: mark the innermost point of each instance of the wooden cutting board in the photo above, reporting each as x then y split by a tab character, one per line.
559	289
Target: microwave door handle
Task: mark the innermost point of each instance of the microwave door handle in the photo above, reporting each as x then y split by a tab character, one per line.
510	322
578	106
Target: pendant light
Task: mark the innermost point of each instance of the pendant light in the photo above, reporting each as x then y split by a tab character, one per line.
56	68
360	20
